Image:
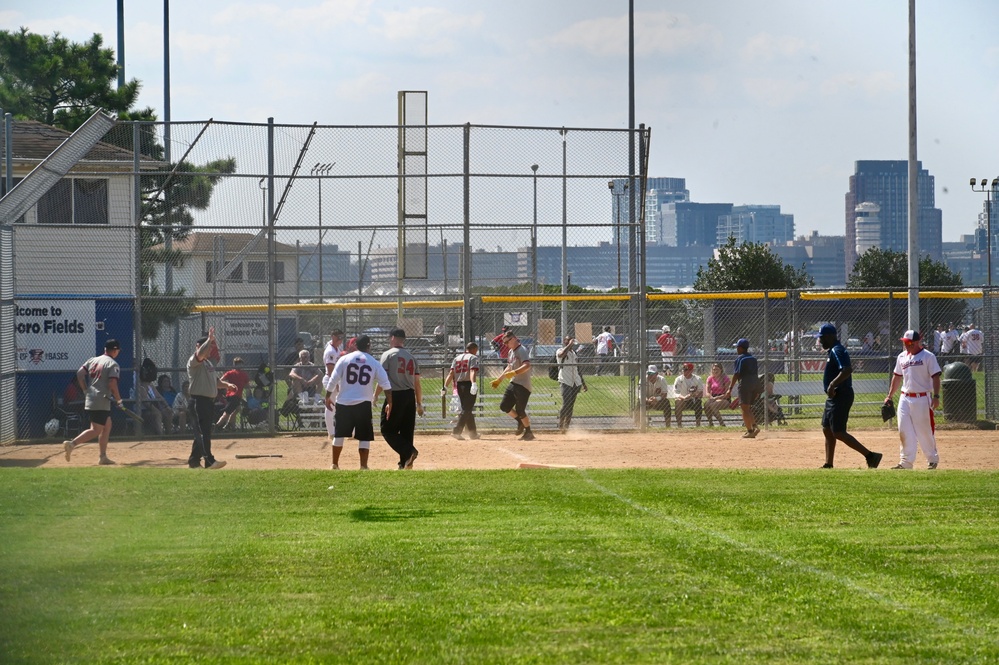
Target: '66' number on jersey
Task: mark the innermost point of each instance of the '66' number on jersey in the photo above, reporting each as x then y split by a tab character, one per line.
358	374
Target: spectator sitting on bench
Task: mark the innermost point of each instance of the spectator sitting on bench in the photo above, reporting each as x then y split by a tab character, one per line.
657	394
717	385
689	393
156	411
304	377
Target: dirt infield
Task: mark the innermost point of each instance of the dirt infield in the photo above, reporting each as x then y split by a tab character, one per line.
688	448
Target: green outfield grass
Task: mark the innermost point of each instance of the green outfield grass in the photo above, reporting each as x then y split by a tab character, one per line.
638	566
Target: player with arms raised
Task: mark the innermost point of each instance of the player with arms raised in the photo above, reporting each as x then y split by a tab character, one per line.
355	376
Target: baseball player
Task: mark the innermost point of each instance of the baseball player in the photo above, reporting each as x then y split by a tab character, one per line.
332	353
918	373
353	381
971	344
464	374
103	371
838	383
398	424
517	394
667	345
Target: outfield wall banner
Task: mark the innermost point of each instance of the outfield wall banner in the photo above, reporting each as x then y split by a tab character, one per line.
54	334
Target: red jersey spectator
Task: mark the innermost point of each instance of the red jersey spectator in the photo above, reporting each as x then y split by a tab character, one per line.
237	381
498	344
667	344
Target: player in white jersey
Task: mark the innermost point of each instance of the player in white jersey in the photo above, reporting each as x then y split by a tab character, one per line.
972	342
918	373
332	353
354	378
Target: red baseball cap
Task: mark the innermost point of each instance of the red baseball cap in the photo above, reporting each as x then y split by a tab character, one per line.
911	336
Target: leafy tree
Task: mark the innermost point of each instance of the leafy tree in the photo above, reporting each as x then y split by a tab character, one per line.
886	268
62	83
749	267
59	82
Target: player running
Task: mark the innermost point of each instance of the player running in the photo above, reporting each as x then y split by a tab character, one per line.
103	371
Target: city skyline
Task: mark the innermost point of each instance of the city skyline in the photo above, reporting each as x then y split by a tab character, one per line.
755	105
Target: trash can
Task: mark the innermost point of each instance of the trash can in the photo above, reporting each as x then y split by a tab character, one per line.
960	401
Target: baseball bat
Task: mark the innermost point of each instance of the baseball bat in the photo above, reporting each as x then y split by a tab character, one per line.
124	409
255	456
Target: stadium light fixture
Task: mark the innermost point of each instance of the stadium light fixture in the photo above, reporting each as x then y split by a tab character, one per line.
987	189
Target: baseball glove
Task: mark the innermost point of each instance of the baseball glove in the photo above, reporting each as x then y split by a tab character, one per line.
887	411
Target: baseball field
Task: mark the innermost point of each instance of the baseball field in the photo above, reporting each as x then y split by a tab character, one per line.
689	547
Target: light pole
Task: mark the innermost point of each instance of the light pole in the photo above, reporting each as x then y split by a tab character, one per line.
565	224
321	170
617	226
984	186
534	250
263	200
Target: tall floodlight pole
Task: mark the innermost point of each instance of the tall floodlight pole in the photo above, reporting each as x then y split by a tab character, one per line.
565	241
121	44
913	179
534	250
617	226
320	170
987	189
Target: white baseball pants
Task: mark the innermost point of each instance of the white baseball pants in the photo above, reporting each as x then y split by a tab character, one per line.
915	425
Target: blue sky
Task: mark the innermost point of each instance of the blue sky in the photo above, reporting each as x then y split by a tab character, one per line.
753	102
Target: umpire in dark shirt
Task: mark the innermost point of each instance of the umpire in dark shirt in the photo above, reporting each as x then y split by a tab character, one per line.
837	381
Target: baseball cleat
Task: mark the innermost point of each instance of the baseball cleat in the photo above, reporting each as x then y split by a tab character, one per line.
105	461
528	436
217	464
932	465
412	458
873	460
68	446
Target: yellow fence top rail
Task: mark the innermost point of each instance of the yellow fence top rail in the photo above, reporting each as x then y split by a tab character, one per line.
557	298
328	306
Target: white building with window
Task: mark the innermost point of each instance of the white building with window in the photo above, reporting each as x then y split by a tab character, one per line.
206	254
79	239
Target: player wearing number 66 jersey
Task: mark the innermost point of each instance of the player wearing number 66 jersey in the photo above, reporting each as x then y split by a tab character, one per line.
356	375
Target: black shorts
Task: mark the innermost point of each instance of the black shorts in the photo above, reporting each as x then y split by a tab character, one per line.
837	411
354	420
98	417
232	403
515	399
748	393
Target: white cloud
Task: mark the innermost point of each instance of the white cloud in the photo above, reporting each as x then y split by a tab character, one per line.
317	17
656	33
873	84
429	31
765	47
362	88
774	92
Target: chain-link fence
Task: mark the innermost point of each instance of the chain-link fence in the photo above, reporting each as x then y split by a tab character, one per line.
275	235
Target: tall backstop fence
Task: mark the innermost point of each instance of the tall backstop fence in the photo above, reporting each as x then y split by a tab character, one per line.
277	234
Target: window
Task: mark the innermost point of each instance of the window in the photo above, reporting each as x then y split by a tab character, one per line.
75	200
236	274
256	272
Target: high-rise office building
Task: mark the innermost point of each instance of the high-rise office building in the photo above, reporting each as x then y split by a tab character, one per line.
688	224
754	223
886	184
659	191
